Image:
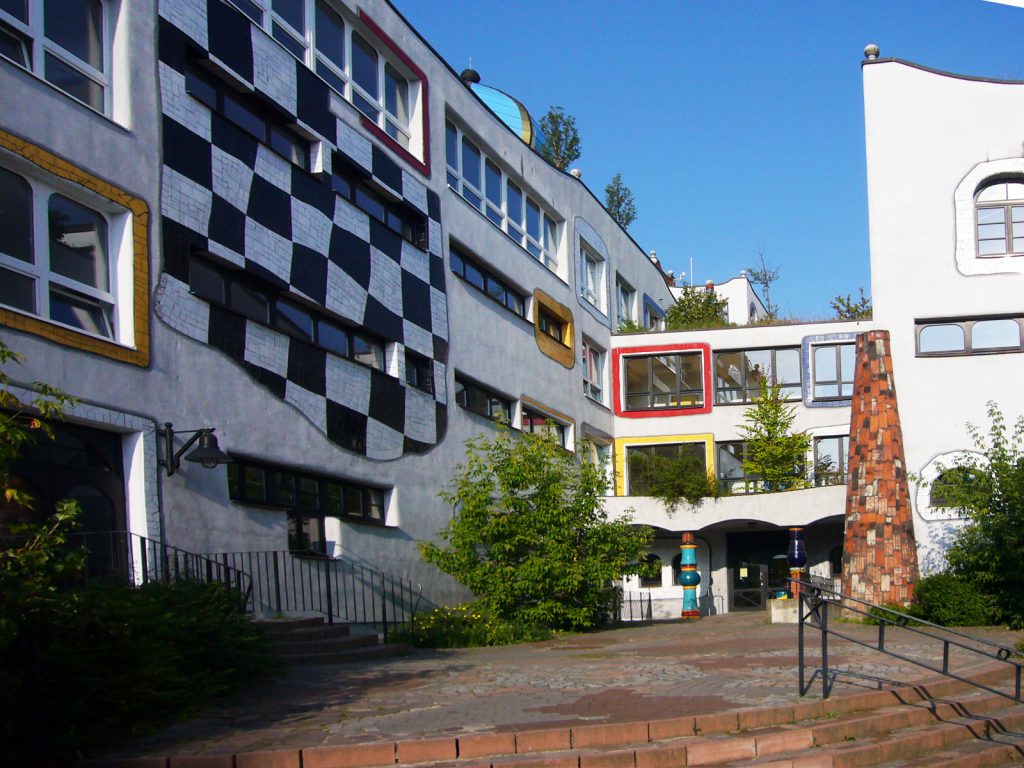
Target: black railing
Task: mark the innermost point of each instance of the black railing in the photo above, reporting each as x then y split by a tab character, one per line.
135	560
741	486
818	601
308	582
633	607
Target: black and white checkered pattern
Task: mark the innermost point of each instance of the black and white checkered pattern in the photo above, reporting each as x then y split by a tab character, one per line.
226	194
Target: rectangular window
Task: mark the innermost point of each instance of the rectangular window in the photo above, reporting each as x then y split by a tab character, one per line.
353	185
495	287
484	185
969	336
738	374
247	296
732	477
593	371
419	372
625	303
476	398
664	381
57	257
250	114
538	423
65	43
830	459
592	269
832	366
654	318
307	497
642	474
550	325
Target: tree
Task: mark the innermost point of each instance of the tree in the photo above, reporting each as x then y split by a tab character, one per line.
765	276
988	487
696	308
529	536
563	140
848	309
618	199
772	450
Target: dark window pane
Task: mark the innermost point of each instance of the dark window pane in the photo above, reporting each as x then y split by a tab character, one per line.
206	282
244	118
335	503
74	82
282	489
201	89
17	290
475	276
292	11
458	265
14	47
78	243
495	290
285	38
17	8
364	66
309	493
77	27
396	94
80	312
471	163
250	9
289	146
249	302
369	202
515	302
330	35
15	216
332	338
353	501
294	320
375	504
367	352
365	106
254	485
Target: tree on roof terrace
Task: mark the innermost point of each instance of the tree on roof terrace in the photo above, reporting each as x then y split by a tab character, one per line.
696	307
563	140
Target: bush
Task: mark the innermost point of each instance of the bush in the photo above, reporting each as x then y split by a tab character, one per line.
108	661
876	614
469	625
951	601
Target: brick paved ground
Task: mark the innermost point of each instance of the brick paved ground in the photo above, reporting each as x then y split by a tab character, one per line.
711	665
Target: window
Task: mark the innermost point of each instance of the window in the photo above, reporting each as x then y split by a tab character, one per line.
593	371
664	381
641	473
538	423
830	459
733	478
495	287
243	294
403	220
947	490
654	318
833	371
307	497
550	325
655	566
65	43
478	399
593	271
738	374
378	85
250	114
625	302
975	336
56	256
419	372
485	186
999	211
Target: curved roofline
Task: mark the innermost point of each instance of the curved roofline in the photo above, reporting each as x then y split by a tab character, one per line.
501	122
942	72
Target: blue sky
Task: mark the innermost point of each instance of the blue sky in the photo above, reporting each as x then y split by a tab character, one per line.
739	126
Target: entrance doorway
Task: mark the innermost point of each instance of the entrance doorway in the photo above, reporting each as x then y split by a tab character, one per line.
758	567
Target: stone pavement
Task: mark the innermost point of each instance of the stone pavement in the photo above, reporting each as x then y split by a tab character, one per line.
636	673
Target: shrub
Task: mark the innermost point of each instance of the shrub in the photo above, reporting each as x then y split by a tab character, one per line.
876	614
468	625
951	601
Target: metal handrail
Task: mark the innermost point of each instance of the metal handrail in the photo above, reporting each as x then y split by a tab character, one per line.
819	599
298	582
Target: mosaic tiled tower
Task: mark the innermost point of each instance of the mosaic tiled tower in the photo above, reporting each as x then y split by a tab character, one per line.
879	550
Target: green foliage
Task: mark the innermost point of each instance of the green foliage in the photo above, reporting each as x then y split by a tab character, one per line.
765	276
563	140
468	625
696	308
875	614
988	551
951	601
773	451
529	536
673	480
630	325
618	199
848	309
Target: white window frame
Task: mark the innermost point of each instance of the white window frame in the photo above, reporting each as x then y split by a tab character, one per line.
625	301
840	373
593	274
301	43
543	242
559	427
1011	208
36	48
120	263
968	261
594	360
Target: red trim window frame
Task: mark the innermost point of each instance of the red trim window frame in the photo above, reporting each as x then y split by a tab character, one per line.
617	379
423	166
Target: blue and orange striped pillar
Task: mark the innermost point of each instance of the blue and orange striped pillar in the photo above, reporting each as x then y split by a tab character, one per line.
688	575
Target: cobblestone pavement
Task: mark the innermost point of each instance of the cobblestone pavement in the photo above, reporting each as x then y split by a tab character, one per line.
665	670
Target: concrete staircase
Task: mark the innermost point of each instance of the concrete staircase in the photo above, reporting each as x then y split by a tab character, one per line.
944	723
311	642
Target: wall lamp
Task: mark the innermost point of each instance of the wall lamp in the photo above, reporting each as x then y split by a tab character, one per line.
207	453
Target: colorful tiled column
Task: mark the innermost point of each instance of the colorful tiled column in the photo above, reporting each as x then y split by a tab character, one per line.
879	549
797	558
688	575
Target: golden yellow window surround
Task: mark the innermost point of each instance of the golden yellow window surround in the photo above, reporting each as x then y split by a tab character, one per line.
561	351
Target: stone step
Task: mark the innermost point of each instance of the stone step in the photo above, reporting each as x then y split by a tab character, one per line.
284	626
351	655
306	634
290	650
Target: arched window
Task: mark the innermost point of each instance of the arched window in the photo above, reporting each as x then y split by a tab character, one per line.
653	561
999	213
953	487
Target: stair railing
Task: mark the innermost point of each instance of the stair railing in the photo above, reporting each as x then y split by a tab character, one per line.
290	582
819	604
